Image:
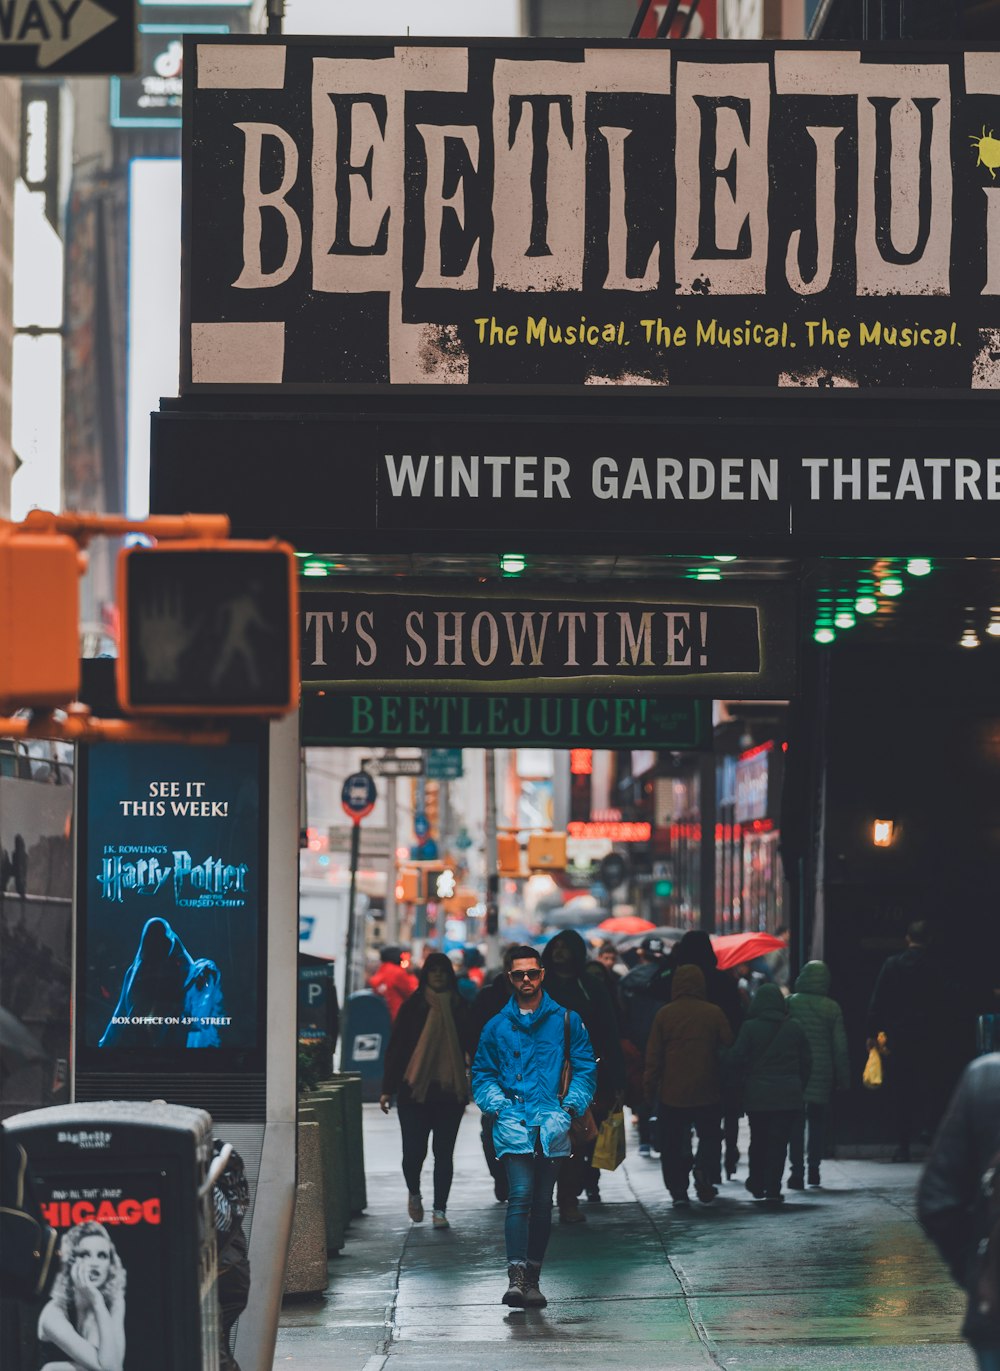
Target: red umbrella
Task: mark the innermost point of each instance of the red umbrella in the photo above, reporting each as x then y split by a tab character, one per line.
626	923
733	948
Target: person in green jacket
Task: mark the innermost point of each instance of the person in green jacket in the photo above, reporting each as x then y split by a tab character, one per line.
771	1057
820	1017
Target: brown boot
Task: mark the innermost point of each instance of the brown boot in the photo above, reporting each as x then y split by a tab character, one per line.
517	1286
533	1297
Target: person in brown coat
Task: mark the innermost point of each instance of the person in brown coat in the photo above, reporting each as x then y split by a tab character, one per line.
682	1074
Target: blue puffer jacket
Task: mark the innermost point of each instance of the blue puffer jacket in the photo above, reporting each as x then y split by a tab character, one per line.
515	1076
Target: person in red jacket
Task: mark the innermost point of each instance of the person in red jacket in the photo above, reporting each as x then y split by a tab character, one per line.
391	982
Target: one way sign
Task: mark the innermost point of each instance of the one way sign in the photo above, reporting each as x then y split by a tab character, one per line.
67	37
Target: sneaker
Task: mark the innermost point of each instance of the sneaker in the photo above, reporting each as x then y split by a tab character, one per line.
593	1195
706	1193
814	1175
439	1219
796	1181
753	1188
572	1213
644	1149
415	1208
684	1203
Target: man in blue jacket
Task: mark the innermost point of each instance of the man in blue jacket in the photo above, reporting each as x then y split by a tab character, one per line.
515	1081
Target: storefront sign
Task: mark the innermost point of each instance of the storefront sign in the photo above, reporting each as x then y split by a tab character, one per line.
864	474
169	897
506	720
439	636
554	213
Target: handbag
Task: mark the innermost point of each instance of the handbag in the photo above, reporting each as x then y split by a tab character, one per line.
609	1150
582	1127
871	1077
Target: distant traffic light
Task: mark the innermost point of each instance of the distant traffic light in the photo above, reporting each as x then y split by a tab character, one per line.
508	854
547	852
208	627
39	619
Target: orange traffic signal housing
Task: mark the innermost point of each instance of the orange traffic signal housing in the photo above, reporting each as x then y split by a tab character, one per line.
408	886
39	620
547	852
508	854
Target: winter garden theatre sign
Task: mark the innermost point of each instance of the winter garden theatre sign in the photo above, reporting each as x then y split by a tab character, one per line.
560	214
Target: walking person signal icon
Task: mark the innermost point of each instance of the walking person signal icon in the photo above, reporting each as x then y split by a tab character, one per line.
208	628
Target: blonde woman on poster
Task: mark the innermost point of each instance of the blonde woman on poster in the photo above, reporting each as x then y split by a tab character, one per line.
82	1327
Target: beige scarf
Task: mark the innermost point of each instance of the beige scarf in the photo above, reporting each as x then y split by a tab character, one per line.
438	1057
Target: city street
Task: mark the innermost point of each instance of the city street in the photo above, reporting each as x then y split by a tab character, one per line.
837	1278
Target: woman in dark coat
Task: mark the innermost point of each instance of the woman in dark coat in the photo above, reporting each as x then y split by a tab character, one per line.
771	1058
695	949
577	984
426	1068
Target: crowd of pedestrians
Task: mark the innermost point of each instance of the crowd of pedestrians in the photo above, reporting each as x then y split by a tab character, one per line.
558	1038
554	1043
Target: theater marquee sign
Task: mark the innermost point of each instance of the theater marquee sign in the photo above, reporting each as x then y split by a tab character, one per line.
634	638
556	214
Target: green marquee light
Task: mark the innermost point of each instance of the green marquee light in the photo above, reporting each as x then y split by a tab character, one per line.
315	569
845	618
823	633
891	586
708	574
866	604
725	557
512	563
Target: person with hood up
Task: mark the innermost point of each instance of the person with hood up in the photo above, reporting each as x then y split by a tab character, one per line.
821	1018
682	1075
695	949
577	984
425	1068
392	981
516	1079
771	1058
163	986
642	994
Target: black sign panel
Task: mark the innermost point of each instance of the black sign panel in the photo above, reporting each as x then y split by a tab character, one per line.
170	898
438	636
561	213
464	720
867	475
67	37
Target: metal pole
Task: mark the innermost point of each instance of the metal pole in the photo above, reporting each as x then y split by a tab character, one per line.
492	875
391	909
349	950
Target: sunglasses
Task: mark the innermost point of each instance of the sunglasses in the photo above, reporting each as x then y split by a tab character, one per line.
532	975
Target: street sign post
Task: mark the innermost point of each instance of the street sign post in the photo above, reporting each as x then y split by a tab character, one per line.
393	766
444	763
357	799
82	39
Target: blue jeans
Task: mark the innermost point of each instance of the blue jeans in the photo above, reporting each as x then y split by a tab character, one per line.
989	1358
531	1178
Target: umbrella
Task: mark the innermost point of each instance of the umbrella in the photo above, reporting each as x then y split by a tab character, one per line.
626	923
733	948
15	1039
581	909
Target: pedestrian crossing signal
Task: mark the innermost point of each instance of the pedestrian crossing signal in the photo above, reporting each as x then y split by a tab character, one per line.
208	628
39	619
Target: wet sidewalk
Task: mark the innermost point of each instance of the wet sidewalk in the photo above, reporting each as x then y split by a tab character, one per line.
835	1278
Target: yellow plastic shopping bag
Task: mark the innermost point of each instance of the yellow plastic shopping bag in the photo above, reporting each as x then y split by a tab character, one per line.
609	1149
871	1077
